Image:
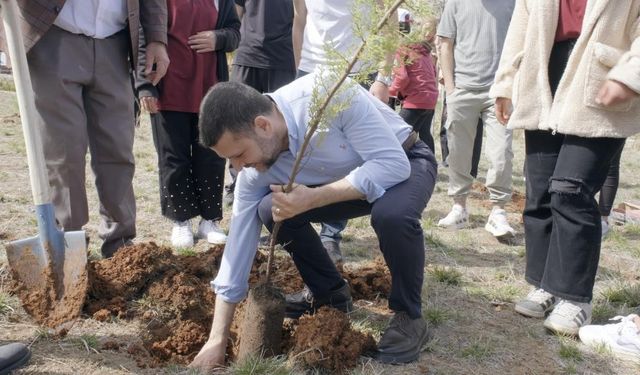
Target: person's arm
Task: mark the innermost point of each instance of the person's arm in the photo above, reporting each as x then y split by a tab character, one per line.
297	32
623	81
212	354
400	75
232	281
240	8
447	63
512	53
153	19
225	39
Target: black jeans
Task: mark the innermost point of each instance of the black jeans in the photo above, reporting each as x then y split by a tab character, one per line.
395	217
420	119
610	186
561	216
191	176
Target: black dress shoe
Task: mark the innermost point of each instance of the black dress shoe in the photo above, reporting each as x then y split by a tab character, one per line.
304	302
403	339
13	356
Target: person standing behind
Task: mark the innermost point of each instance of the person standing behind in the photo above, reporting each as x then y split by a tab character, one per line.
577	100
472	33
264	59
78	54
415	81
191	176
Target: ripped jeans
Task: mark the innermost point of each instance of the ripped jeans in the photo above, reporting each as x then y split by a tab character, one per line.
561	217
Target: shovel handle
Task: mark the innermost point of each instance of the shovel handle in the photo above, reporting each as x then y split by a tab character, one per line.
26	102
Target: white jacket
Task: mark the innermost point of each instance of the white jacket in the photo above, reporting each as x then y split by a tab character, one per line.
608	48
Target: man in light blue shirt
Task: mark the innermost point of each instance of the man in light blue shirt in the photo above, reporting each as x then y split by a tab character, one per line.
365	161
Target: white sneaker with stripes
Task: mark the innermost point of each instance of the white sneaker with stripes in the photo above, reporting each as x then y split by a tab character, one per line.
536	304
568	317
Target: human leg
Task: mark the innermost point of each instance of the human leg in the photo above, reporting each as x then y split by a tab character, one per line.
61	119
207	169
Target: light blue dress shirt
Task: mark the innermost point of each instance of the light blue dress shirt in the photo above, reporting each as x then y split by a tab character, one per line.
362	143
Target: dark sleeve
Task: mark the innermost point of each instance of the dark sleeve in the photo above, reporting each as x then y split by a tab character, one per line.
240	3
228	28
154	19
142	85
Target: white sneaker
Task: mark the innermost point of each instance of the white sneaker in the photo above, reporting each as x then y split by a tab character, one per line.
181	235
568	317
211	230
536	304
605	228
458	218
623	338
497	223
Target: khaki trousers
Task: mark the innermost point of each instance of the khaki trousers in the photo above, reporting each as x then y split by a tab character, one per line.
464	108
84	100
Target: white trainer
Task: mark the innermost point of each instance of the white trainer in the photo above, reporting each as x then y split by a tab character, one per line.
497	223
622	338
457	218
212	231
536	304
568	316
181	234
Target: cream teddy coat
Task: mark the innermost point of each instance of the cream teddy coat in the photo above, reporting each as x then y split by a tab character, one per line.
608	48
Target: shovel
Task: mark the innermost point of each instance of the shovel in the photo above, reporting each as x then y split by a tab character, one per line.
50	269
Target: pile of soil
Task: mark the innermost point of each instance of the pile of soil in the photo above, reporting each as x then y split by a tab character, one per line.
171	296
169	293
327	340
369	281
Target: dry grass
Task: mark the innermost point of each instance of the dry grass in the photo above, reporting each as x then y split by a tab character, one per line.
471	282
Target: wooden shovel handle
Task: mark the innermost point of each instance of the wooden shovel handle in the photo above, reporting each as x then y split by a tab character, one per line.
26	103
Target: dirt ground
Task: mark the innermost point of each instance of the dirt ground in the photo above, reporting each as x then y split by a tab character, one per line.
471	283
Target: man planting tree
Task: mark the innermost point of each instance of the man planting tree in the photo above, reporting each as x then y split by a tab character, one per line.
365	160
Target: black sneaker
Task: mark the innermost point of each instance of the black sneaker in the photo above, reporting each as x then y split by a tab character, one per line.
403	339
305	303
333	249
13	356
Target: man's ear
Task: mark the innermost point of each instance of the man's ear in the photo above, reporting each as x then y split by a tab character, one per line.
262	125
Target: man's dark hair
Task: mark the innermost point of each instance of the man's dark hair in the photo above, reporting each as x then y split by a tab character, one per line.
230	106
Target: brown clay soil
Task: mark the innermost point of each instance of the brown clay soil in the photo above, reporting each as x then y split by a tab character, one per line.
170	295
327	340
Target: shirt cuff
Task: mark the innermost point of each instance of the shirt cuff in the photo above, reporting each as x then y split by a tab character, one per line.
366	186
229	294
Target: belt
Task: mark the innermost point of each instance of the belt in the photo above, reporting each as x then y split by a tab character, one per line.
410	141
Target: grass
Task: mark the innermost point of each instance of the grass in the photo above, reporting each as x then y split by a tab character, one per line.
186	251
446	275
569	350
7	85
88	342
623	295
256	365
8	303
435	315
479	349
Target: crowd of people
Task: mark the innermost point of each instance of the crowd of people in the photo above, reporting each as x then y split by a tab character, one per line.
566	72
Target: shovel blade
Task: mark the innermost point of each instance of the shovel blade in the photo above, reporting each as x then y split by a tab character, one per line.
51	291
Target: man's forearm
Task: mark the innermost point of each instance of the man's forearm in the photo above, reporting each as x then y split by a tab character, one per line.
447	62
222	319
339	191
297	32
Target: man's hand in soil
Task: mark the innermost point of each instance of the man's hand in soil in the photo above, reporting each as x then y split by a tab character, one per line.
210	357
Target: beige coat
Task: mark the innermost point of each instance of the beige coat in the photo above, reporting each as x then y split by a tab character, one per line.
608	48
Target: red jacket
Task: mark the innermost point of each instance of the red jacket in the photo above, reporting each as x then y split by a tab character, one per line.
414	78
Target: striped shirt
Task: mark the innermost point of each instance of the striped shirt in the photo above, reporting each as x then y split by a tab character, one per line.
478	28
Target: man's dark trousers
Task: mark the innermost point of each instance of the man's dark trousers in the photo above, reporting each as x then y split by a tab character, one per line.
395	217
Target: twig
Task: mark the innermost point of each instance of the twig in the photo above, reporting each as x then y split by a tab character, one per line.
315	121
